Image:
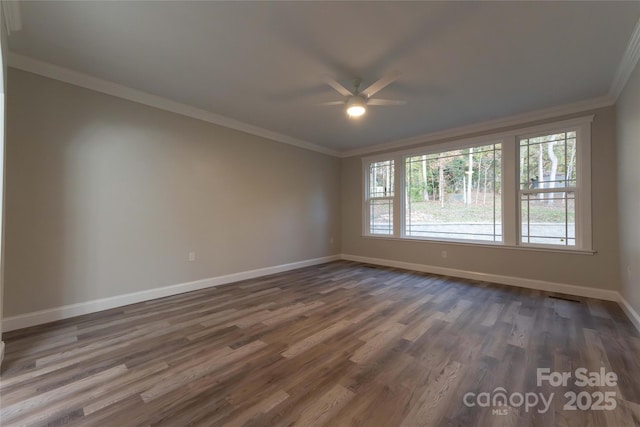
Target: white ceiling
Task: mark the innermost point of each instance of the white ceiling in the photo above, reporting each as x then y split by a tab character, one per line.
261	63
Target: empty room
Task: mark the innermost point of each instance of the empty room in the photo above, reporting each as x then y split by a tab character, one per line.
379	214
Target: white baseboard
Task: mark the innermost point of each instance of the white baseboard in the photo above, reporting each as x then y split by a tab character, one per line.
629	311
64	312
541	285
581	291
67	311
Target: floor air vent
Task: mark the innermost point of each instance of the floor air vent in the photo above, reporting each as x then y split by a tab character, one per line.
566	299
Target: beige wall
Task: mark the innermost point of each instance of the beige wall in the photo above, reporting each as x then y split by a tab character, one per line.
629	188
107	196
598	271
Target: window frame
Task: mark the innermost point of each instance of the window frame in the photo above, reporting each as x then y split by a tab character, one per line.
366	211
510	184
460	145
582	189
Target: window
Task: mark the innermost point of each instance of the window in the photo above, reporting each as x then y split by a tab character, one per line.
548	189
528	187
380	199
454	194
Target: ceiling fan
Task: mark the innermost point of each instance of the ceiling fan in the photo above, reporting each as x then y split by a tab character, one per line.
356	101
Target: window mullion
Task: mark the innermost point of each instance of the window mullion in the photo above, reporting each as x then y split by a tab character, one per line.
366	217
398	200
510	210
583	195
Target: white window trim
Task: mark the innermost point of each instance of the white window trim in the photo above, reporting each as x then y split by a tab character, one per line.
366	211
582	189
511	215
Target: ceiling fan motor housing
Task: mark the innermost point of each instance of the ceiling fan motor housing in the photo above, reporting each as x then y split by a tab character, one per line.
356	106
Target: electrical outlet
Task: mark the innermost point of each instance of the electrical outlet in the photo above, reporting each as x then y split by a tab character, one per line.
628	272
331	241
192	256
444	254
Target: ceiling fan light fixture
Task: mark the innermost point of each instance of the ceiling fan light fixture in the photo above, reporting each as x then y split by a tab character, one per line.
356	107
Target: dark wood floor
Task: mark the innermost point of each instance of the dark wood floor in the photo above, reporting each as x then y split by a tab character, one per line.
336	344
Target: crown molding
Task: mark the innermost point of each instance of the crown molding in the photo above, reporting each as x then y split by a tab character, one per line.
12	16
66	75
487	126
627	63
86	81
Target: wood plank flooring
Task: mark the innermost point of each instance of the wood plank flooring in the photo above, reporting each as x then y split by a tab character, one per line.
339	344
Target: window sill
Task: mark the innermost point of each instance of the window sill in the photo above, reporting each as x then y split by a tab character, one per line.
484	245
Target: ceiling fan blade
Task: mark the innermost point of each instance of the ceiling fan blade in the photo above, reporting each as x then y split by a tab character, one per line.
337	86
332	103
385	102
381	84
